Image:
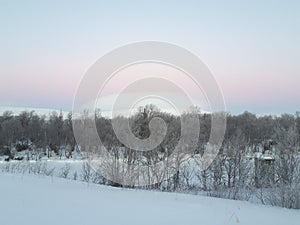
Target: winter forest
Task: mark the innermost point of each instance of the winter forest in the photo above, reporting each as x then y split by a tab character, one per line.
259	159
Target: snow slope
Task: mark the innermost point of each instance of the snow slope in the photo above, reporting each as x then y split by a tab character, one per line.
31	200
38	111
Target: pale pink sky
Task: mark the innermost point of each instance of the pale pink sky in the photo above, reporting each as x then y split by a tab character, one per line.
252	48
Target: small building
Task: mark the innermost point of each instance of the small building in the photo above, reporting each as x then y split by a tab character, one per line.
265	166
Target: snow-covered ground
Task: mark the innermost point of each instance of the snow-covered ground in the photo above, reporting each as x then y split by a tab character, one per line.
37	200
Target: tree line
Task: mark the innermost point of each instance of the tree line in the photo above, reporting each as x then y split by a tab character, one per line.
231	175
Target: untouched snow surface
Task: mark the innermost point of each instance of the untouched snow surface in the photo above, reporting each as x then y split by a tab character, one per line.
31	200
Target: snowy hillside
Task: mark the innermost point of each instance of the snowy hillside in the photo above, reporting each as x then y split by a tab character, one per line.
43	200
38	111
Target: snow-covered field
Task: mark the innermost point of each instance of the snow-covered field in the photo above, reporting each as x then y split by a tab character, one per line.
33	200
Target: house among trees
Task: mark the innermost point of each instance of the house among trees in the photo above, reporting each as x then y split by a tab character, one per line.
265	166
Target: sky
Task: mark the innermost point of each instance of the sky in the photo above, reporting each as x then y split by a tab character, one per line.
251	47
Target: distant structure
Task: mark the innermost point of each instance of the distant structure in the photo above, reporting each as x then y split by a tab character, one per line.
265	166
